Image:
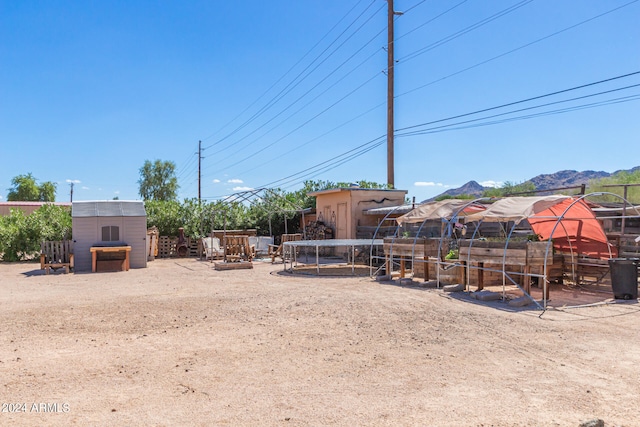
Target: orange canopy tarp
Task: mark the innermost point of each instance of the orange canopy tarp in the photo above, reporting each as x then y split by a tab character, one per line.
578	231
576	227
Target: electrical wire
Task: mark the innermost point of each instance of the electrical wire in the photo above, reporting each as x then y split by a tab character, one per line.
456	126
297	181
358	151
522	47
304	144
519	48
533	98
430	20
299	78
255	153
288	118
404	12
316	170
464	31
458	34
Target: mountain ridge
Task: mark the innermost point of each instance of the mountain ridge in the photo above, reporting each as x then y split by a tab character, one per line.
560	179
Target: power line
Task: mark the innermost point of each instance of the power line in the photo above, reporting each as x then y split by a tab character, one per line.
522	47
530	116
477	25
533	98
464	31
300	77
285	120
304	144
359	147
430	20
358	151
518	48
363	151
255	153
579	107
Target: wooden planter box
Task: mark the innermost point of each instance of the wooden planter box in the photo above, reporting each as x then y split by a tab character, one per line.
517	253
519	258
403	249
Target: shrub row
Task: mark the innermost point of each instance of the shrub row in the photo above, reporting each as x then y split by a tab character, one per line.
20	234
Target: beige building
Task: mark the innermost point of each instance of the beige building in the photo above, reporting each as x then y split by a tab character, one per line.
27	207
343	208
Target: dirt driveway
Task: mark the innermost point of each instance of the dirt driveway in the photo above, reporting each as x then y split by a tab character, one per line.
178	343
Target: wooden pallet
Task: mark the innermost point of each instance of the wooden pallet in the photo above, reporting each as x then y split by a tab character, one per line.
195	249
56	254
242	265
167	246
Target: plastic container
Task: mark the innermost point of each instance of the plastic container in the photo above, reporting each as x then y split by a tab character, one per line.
624	277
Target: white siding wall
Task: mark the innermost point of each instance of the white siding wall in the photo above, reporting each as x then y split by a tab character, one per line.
135	235
85	235
87	231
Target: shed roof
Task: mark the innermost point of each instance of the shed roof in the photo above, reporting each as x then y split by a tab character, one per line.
399	210
354	189
108	208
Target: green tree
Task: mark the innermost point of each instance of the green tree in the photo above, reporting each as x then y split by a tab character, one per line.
20	234
365	184
158	181
26	189
164	214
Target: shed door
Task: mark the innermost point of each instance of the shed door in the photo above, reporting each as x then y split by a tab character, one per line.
341	221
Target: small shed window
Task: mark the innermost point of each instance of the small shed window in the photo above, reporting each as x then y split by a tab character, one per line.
110	233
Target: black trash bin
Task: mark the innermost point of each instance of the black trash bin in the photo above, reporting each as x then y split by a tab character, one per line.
624	277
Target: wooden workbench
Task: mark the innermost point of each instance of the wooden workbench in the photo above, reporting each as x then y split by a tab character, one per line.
95	250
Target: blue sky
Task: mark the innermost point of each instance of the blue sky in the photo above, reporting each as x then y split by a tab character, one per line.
283	91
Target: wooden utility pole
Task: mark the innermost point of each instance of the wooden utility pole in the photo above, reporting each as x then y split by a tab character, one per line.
390	96
199	169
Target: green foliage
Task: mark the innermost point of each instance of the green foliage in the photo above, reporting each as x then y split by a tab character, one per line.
20	235
364	184
197	219
164	214
526	188
13	242
158	181
26	189
460	196
299	198
622	177
453	254
265	213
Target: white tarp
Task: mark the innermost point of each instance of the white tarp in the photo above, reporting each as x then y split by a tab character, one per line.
515	208
438	210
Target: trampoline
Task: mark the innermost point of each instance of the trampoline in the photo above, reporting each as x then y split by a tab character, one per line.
331	243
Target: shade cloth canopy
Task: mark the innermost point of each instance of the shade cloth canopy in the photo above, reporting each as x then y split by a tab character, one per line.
443	209
569	222
516	209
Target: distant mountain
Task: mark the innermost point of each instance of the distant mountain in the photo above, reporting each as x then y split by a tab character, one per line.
471	188
565	178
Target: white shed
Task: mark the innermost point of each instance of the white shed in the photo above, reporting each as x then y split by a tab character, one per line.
109	223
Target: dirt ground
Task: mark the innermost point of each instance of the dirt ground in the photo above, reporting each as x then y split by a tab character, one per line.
179	343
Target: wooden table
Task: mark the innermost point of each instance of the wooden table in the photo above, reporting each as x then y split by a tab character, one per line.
109	249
